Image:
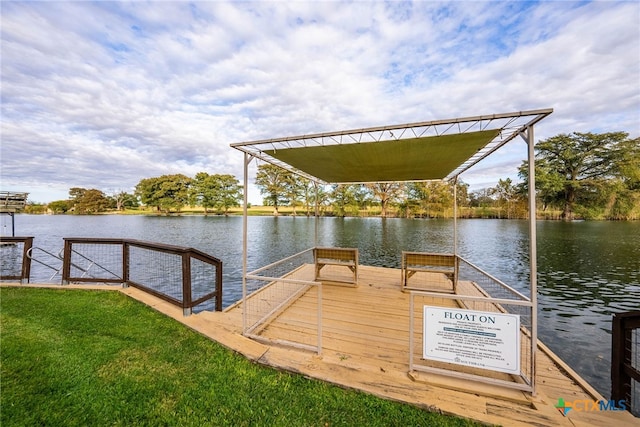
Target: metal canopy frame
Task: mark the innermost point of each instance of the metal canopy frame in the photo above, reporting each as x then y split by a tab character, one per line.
501	128
505	127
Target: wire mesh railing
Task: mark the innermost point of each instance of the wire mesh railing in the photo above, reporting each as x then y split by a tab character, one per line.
182	276
15	263
271	289
482	333
625	361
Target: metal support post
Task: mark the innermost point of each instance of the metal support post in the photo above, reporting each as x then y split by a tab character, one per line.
247	160
455	216
533	272
317	214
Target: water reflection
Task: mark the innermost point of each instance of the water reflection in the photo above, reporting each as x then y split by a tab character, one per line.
586	270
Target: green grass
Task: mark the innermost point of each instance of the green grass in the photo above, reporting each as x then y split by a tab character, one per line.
82	358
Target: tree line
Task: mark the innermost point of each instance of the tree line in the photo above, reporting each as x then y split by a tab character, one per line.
578	175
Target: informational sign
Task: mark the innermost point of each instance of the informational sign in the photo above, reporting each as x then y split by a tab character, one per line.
472	338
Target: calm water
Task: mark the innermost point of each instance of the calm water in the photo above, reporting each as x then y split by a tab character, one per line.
587	270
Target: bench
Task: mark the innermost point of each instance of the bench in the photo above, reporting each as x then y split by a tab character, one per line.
346	257
441	271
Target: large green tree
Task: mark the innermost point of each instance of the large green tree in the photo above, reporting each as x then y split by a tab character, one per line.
386	193
218	191
294	188
165	192
60	206
122	200
363	196
577	169
88	201
308	194
507	197
429	198
344	198
272	182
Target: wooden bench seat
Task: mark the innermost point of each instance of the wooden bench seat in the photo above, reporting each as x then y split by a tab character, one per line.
440	271
347	257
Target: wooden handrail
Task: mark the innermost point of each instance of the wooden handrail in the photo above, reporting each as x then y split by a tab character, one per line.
187	254
622	354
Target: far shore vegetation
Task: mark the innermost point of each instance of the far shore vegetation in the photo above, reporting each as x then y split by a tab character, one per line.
578	176
99	358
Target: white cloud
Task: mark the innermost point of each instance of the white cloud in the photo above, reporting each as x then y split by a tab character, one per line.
101	95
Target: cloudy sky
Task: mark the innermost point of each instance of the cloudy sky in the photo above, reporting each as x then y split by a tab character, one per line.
104	94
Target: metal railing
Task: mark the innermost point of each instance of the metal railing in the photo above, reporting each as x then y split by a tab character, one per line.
185	277
482	295
271	289
15	263
625	361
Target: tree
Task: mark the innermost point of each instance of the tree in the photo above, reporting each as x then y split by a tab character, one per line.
570	168
624	200
229	192
387	193
320	196
219	191
363	196
343	197
35	208
60	206
308	194
293	189
122	200
628	163
76	193
549	185
480	198
430	197
272	181
507	196
462	193
165	192
88	201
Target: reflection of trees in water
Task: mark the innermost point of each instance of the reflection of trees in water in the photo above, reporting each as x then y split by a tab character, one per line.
591	264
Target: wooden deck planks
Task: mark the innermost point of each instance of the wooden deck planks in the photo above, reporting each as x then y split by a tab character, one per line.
365	330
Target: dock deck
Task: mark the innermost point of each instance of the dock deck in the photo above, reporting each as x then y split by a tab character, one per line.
365	346
365	342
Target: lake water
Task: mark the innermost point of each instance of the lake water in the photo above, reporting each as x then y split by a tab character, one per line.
587	270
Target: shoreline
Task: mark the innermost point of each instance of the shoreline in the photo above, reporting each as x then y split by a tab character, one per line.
288	212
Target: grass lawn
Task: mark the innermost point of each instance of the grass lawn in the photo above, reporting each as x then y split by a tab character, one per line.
82	358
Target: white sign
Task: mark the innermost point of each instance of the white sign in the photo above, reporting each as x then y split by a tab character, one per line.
472	338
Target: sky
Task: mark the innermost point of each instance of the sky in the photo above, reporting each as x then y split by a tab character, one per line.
104	94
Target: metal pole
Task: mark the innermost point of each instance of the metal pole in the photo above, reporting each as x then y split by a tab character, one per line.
319	338
455	234
533	255
455	216
317	214
244	243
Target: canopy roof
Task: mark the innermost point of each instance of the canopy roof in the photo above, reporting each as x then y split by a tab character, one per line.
433	150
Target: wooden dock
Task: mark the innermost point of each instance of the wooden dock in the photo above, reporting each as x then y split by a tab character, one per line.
365	346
